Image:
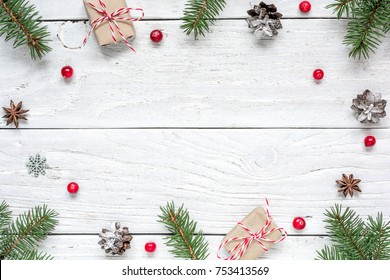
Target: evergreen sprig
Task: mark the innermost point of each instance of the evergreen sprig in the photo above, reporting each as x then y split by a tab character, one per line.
199	14
20	22
368	24
342	7
19	239
184	240
355	239
5	217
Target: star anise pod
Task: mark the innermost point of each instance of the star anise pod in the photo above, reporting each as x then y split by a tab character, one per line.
14	113
348	185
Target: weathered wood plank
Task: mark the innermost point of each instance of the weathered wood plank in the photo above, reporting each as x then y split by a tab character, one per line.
173	9
73	247
228	79
220	175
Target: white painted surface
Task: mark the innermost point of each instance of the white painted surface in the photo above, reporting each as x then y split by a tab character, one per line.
172	9
86	248
86	128
228	79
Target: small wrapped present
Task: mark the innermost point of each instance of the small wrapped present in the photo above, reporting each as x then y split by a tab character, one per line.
111	21
253	236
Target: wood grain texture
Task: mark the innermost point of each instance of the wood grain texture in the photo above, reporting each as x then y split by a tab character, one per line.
126	175
173	9
86	248
229	79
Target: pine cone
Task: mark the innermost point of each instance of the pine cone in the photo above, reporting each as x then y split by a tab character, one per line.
265	20
370	107
115	241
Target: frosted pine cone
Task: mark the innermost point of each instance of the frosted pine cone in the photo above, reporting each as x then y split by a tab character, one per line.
370	107
115	241
265	20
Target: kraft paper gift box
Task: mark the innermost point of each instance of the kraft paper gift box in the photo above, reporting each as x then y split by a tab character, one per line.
255	220
103	32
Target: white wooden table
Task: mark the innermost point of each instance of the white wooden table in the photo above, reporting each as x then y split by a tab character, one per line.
218	124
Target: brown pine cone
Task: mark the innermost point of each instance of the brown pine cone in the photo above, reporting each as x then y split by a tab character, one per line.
115	241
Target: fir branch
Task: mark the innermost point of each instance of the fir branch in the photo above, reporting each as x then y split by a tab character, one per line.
184	241
346	228
368	23
381	237
30	255
199	14
342	7
367	27
5	217
331	253
26	232
353	238
20	22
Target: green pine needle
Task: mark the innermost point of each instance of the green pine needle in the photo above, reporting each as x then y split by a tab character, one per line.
342	7
5	217
19	240
184	240
29	254
369	21
199	14
331	253
20	22
380	235
355	239
366	28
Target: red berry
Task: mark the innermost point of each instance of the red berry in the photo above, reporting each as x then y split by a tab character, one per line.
156	36
318	74
67	72
150	247
305	6
369	141
73	187
299	223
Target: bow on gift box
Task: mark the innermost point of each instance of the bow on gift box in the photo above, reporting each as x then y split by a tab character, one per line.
259	236
112	20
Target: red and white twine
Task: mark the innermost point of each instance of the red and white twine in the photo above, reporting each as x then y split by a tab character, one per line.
112	20
259	236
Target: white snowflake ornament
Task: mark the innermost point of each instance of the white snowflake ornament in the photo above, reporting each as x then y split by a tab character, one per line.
37	165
